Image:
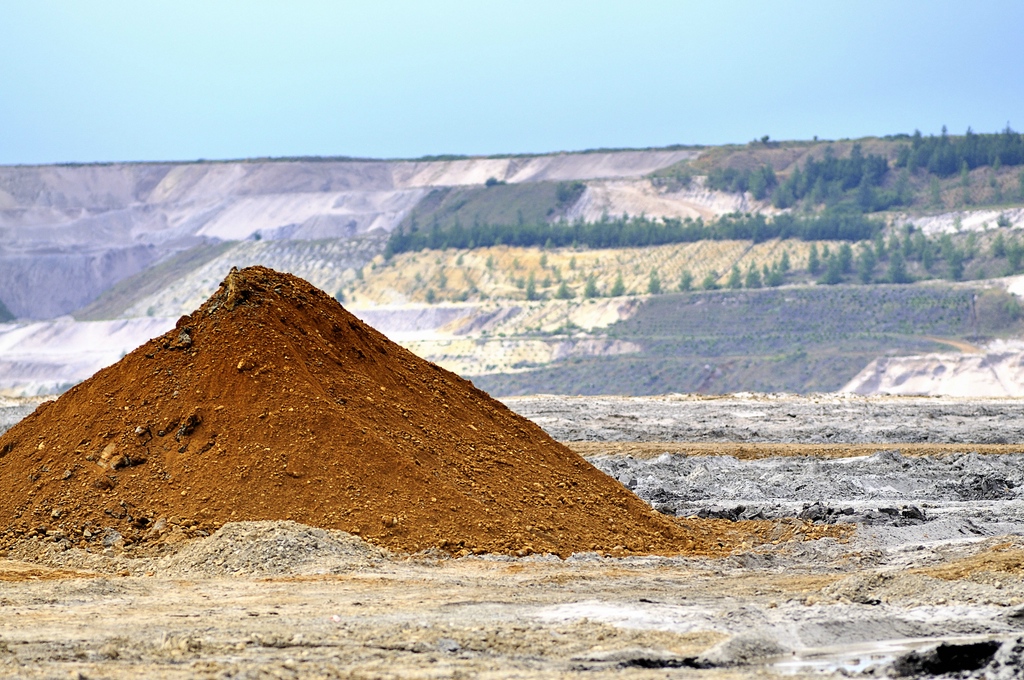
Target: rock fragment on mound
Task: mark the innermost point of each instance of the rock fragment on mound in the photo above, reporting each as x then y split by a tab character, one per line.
272	402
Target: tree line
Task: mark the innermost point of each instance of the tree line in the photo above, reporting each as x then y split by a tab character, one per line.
859	181
875	261
631	232
855	182
888	261
758	182
945	155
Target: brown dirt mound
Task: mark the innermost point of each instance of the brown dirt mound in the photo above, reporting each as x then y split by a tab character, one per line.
1005	558
273	402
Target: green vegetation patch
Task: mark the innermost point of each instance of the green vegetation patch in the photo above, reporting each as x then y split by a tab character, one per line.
872	174
495	203
947	155
787	340
633	232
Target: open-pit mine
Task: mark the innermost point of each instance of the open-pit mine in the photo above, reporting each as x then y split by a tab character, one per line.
274	489
635	413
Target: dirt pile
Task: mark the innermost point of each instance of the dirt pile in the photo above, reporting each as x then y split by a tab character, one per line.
271	402
266	549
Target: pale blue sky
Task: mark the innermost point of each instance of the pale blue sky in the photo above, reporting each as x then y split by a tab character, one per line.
128	80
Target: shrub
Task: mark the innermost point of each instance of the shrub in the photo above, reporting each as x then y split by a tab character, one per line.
1014	254
569	192
999	246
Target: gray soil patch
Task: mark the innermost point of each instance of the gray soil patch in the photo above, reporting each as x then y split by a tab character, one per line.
980	495
822	419
13	410
262	549
936	558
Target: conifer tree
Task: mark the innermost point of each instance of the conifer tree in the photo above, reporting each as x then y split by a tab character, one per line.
898	268
531	287
866	261
735	278
753	278
654	283
813	262
619	287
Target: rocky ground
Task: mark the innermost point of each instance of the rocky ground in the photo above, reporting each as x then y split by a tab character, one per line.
14	409
777	418
929	580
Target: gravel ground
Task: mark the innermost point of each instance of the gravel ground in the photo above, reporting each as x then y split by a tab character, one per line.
14	409
936	558
789	607
889	496
823	418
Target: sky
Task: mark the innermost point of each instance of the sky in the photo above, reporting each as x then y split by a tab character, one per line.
113	80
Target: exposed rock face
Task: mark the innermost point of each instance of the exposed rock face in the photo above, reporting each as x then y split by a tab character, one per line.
47	357
70	232
992	374
42	285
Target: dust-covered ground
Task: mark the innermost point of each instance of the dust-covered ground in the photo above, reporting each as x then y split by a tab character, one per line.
931	580
13	409
772	418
